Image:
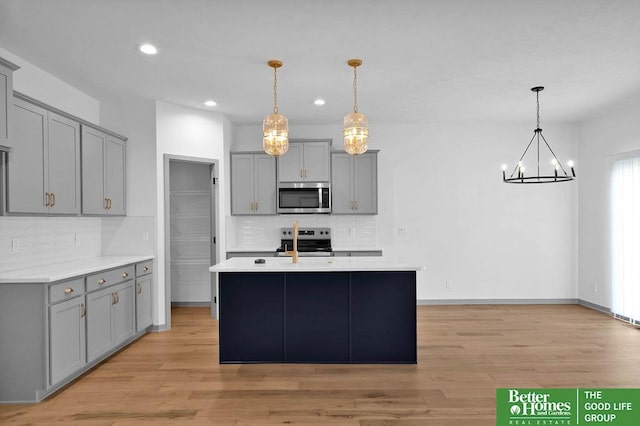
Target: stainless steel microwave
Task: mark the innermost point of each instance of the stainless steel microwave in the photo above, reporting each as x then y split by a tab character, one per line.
304	197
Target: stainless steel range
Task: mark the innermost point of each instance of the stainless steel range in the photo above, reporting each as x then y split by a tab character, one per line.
311	241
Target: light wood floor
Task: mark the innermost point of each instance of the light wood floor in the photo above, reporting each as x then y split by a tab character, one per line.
464	354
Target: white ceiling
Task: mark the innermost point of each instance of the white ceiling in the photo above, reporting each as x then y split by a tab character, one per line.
424	61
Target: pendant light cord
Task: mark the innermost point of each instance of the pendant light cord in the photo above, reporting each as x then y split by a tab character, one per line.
355	89
275	90
538	108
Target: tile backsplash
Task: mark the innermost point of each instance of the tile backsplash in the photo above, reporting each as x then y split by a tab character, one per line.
27	241
263	232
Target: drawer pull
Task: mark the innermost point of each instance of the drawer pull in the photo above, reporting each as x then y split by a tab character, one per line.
146	268
125	274
68	290
139	289
102	281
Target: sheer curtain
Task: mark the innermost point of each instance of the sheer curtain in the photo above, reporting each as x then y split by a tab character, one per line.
625	239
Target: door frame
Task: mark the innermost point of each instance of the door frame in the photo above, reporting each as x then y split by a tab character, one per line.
214	169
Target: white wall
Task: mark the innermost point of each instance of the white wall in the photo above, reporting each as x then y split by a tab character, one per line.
186	132
46	240
601	140
443	183
39	84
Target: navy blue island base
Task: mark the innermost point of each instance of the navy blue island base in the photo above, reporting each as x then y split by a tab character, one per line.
318	317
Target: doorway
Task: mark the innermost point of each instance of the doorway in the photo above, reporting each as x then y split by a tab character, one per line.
190	232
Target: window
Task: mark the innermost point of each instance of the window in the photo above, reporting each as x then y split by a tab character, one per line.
625	239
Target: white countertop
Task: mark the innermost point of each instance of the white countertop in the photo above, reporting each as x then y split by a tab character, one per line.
313	264
66	270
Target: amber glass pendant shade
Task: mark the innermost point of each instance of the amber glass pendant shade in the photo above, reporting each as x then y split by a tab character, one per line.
275	127
356	133
275	134
355	125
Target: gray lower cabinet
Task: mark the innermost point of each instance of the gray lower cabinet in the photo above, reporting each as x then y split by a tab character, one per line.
103	173
67	338
354	183
43	170
253	184
110	313
50	333
144	283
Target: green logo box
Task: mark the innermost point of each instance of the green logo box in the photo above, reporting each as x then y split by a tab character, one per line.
546	407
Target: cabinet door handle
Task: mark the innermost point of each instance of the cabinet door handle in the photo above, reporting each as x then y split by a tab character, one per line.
125	274
102	281
139	289
68	290
83	310
113	298
301	174
356	205
109	203
306	173
53	199
106	204
256	206
47	202
352	206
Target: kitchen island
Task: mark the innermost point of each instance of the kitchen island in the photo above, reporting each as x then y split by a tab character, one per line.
320	310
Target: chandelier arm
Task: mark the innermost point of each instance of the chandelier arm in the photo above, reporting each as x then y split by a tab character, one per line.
554	155
523	154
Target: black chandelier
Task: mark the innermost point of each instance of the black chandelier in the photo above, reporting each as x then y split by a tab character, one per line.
559	173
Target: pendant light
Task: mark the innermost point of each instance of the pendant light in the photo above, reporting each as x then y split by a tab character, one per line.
275	127
356	125
556	173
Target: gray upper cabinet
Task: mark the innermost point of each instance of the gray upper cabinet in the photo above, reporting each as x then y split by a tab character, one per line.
354	183
6	100
26	162
103	173
305	161
63	165
253	184
43	172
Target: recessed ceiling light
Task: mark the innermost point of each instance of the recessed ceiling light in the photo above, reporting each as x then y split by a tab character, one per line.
148	49
210	103
318	102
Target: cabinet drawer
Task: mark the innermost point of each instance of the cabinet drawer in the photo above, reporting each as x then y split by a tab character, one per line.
66	290
144	268
108	278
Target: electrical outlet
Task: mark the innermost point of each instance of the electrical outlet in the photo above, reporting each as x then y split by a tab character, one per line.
402	231
448	284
